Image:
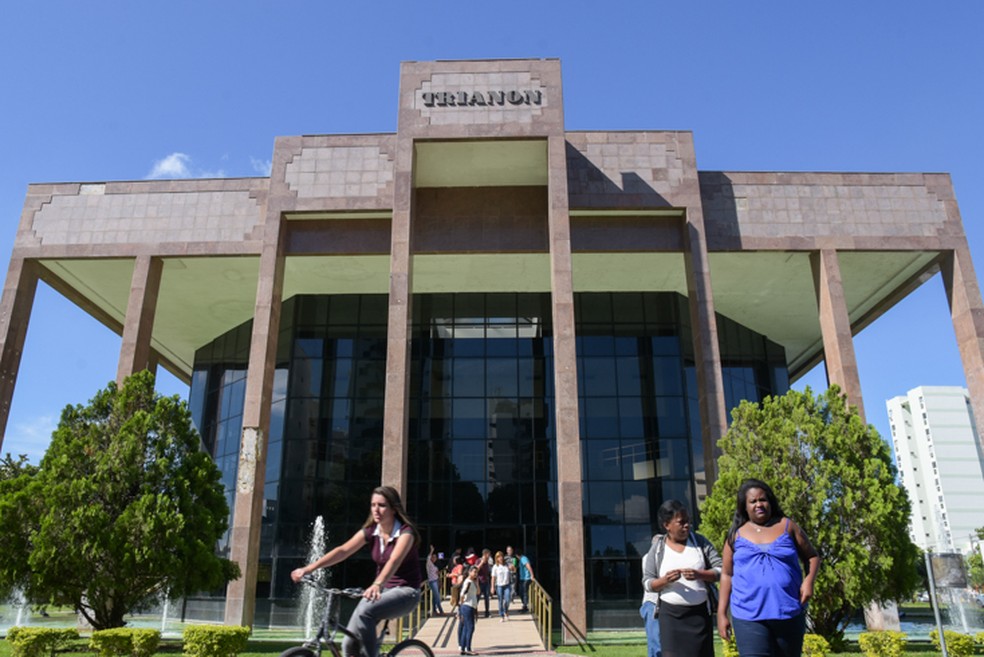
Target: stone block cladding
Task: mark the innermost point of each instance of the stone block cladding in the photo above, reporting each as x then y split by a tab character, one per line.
819	205
628	169
104	214
340	171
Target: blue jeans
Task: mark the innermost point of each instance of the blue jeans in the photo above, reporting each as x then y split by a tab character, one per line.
466	628
392	603
770	638
524	592
652	629
504	594
435	589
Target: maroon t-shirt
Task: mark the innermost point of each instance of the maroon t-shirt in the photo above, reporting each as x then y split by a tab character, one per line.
408	574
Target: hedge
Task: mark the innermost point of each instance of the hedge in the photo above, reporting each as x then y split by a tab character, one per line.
214	640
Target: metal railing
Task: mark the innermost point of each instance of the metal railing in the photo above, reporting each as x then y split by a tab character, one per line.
541	608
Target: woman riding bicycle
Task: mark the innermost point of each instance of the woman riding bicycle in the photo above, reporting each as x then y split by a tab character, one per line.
395	591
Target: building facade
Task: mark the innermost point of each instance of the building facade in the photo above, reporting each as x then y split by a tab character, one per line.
534	333
938	453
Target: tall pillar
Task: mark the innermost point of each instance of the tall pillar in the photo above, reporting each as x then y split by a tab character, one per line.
707	350
569	488
967	312
135	352
15	312
842	369
247	516
835	326
396	414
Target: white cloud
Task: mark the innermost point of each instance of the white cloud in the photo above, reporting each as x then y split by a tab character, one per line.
261	167
174	165
31	437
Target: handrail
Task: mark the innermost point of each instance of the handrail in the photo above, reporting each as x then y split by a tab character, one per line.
541	608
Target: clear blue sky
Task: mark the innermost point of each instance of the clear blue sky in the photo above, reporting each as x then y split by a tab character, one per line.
109	90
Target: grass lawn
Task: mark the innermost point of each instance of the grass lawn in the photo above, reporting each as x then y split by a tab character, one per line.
257	648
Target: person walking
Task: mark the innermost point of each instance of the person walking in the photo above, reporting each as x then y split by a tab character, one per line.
648	610
433	581
524	579
457	576
681	568
503	585
468	611
513	564
484	578
762	580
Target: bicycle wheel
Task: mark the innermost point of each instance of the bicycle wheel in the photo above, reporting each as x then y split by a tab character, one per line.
298	651
411	648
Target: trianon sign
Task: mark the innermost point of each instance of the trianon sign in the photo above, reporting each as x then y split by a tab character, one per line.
481	98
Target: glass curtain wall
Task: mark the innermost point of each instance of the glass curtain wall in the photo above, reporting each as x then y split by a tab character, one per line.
325	435
482	466
640	428
482	470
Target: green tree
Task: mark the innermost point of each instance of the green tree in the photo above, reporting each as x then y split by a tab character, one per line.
834	475
11	468
123	509
15	475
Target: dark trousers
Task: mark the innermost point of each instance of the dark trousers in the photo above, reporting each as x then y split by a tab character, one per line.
770	638
485	593
524	592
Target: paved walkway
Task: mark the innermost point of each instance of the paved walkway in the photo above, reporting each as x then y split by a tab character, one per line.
516	636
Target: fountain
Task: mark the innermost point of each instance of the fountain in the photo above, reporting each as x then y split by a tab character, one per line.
312	604
23	609
165	607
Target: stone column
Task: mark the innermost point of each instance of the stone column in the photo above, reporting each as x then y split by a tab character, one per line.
15	312
835	326
135	352
707	350
396	414
569	489
967	312
842	369
247	518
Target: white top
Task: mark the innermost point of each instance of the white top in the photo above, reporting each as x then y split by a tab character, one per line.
684	592
469	593
432	573
501	575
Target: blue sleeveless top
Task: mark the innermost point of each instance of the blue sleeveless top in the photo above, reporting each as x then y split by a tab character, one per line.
766	580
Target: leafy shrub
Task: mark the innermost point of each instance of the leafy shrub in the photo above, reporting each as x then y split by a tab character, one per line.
957	644
885	643
979	641
730	648
815	645
125	642
214	640
38	641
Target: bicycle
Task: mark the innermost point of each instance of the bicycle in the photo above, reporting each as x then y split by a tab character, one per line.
330	627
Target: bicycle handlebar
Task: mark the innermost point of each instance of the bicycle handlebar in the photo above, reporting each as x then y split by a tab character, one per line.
353	592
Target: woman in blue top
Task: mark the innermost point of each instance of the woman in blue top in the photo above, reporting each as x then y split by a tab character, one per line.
395	591
761	577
